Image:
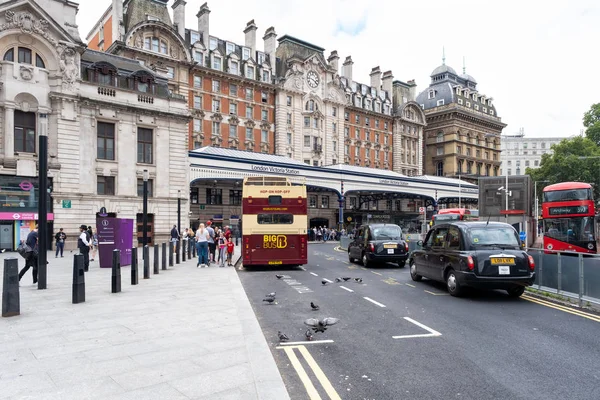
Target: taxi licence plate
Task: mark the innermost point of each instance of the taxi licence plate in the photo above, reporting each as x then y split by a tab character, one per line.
390	246
275	262
505	261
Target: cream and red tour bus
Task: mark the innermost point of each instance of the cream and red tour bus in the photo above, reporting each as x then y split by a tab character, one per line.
274	222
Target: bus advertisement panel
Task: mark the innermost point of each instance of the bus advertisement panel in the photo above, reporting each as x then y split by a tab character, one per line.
274	222
568	213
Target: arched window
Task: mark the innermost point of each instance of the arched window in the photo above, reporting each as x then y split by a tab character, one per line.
460	166
39	62
487	170
478	169
440	169
9	55
25	56
310	105
164	49
440	137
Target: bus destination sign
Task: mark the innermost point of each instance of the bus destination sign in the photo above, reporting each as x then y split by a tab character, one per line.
568	210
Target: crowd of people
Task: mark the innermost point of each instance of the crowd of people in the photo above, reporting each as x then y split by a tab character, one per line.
213	244
323	234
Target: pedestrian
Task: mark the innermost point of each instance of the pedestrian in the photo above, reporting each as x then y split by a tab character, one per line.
31	257
84	244
94	244
174	237
211	242
230	248
60	242
222	243
202	246
227	232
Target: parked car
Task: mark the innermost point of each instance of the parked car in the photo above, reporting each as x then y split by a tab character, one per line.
378	243
485	255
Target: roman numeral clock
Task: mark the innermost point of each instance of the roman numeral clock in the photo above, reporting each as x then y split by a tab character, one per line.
312	79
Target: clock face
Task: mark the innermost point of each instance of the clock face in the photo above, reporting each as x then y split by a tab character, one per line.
313	79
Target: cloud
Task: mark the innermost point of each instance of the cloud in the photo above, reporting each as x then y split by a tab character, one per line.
351	28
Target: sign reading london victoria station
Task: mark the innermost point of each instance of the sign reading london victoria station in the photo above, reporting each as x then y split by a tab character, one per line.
393	182
275	170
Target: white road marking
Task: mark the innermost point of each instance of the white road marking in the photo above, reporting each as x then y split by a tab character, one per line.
327	280
436	294
313	274
432	333
306	342
408	284
374	302
303	269
345	288
377	273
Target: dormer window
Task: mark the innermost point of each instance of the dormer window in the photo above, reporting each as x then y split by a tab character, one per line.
194	37
431	94
216	63
474	97
377	107
230	48
266	76
386	109
213	42
260	58
245	53
234	67
368	104
358	102
250	72
199	57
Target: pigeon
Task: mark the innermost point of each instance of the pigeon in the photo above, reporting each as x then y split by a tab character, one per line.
308	334
358	280
279	276
324	282
271	295
269	300
282	336
321	326
314	306
346	279
338	280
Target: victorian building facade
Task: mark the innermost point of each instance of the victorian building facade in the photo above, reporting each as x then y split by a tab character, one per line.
520	152
462	136
107	119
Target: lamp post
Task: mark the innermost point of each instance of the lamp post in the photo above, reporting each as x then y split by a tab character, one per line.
43	204
459	189
179	212
145	210
537	202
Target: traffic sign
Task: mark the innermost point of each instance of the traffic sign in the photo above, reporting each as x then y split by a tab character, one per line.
202	206
522	236
421	210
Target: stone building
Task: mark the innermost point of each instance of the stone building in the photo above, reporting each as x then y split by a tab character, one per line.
462	137
107	119
520	152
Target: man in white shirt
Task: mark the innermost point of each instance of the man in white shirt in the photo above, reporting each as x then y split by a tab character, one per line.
84	243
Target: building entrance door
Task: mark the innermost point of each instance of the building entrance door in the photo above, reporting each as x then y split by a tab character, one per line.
6	237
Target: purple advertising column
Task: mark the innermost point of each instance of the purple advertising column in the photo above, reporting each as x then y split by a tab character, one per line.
107	231
124	240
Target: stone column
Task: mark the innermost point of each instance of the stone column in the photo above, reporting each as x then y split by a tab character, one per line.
9	132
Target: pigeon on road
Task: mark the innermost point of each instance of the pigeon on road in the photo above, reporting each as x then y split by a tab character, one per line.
279	276
271	294
324	282
321	326
282	336
346	279
358	280
308	334
314	306
338	280
269	300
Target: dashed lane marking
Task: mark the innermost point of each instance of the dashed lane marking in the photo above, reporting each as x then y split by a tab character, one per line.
300	288
390	281
303	343
363	268
374	302
313	274
346	289
561	308
327	280
303	269
436	294
408	284
352	267
377	273
432	333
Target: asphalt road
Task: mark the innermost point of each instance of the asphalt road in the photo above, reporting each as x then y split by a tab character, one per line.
483	346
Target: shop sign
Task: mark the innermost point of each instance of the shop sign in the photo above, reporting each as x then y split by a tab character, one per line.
26	216
393	182
275	170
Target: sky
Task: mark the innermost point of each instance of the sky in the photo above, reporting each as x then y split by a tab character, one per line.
536	59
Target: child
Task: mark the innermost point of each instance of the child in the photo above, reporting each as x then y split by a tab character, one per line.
221	243
230	248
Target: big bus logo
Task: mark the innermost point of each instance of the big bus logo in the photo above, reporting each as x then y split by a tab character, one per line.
274	241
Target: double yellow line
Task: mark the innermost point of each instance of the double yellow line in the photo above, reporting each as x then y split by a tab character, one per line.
313	394
561	308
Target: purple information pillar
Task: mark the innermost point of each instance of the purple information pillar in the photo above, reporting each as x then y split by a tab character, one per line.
114	233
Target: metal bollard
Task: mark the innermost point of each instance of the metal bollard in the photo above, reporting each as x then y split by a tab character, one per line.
116	272
178	252
170	245
134	266
78	279
156	267
194	249
164	256
189	248
146	262
11	300
184	251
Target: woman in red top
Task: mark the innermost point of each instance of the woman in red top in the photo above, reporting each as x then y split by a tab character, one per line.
230	248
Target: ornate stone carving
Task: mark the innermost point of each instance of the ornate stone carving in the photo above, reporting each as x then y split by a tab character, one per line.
197	113
26	73
28	24
216	140
174	52
265	125
234	120
68	67
138	41
250	124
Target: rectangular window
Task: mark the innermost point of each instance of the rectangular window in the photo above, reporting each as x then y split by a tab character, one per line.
264	136
346	131
356	151
357	119
212	44
312	199
234	67
307	122
249	112
216	64
235	197
106	185
353	202
232	108
197	125
346	115
198	82
334	147
216	86
264	115
264	97
249	94
307	162
334	111
232	131
324	201
199	57
216	128
25	132
144	144
229	48
216	106
385	125
194	36
440	151
376	137
24	55
245	53
106	141
334	127
214	196
289	118
289	101
170	72
289	139
140	188
315	123
197	102
266	76
233	89
346	149
367	121
306	141
249	134
250	72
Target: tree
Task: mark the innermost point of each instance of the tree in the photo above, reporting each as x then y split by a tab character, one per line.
591	121
566	163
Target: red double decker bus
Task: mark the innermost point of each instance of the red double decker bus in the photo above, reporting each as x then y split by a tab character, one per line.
568	211
454	214
274	222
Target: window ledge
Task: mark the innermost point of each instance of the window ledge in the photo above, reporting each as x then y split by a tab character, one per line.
103	160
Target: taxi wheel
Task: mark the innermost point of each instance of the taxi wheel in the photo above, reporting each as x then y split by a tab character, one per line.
365	260
413	272
452	284
350	258
516	291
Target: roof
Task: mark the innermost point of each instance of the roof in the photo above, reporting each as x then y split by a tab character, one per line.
121	63
448	180
364	170
443	69
288	38
245	155
468	77
567	185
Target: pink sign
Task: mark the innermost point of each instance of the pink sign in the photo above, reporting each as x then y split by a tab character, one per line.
25	216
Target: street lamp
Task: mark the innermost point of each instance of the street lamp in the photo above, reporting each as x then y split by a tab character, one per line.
179	211
43	203
145	209
536	201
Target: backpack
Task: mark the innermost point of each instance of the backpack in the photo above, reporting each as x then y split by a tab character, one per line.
24	250
88	237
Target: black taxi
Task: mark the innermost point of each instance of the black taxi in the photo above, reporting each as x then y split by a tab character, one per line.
485	255
378	243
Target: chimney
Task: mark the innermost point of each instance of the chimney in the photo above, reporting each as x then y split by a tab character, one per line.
413	90
347	68
117	20
179	16
270	41
333	61
203	23
387	80
376	78
250	32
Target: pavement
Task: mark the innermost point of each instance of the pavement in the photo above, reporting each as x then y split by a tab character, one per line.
399	339
186	333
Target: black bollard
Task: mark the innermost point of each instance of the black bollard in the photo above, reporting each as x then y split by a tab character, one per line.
194	249
170	245
134	266
164	256
116	272
184	250
146	262
236	240
178	252
189	248
11	301
156	268
78	279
